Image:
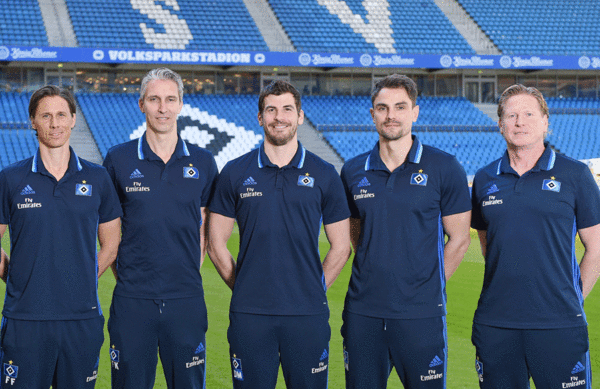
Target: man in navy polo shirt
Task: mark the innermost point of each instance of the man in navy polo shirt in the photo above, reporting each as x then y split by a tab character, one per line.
55	204
404	197
528	207
158	303
279	194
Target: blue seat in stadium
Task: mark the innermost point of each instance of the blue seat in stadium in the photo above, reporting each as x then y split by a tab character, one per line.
115	23
416	27
539	27
21	23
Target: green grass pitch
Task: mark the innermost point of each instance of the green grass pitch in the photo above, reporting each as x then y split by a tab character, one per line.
463	291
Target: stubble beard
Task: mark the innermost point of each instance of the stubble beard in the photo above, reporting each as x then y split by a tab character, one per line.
402	132
280	141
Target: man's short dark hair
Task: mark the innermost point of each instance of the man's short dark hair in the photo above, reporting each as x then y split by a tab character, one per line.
396	81
51	90
278	88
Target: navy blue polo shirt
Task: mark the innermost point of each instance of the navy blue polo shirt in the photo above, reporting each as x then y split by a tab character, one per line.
53	271
279	212
398	267
532	278
159	255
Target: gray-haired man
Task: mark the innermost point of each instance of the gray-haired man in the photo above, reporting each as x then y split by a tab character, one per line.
158	303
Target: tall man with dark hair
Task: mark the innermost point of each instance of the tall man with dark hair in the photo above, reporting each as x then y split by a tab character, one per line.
528	208
55	204
279	194
158	303
404	197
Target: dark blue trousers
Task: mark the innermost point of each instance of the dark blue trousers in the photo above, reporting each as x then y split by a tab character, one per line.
176	328
259	343
63	354
554	358
417	348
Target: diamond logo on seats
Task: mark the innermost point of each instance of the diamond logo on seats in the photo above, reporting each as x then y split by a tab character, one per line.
446	61
366	60
304	59
584	62
4	52
505	61
225	139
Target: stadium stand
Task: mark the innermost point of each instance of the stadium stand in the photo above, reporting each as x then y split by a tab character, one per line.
467	146
21	23
415	27
16	145
574	124
215	25
539	27
13	110
112	117
355	110
115	118
575	135
17	140
453	124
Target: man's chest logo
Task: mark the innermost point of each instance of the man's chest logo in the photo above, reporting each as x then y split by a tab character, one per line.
83	189
552	185
419	178
191	172
250	192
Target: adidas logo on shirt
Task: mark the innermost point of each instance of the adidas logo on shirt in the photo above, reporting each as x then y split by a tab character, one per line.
249	181
364	182
27	191
136	174
493	189
199	349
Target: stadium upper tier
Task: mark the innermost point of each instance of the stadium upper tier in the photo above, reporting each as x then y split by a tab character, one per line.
539	27
372	27
21	23
190	25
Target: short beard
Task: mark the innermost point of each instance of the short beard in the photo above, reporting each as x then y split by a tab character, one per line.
392	137
279	141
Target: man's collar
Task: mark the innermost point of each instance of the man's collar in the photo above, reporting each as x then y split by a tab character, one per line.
297	161
145	152
37	165
545	162
374	161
